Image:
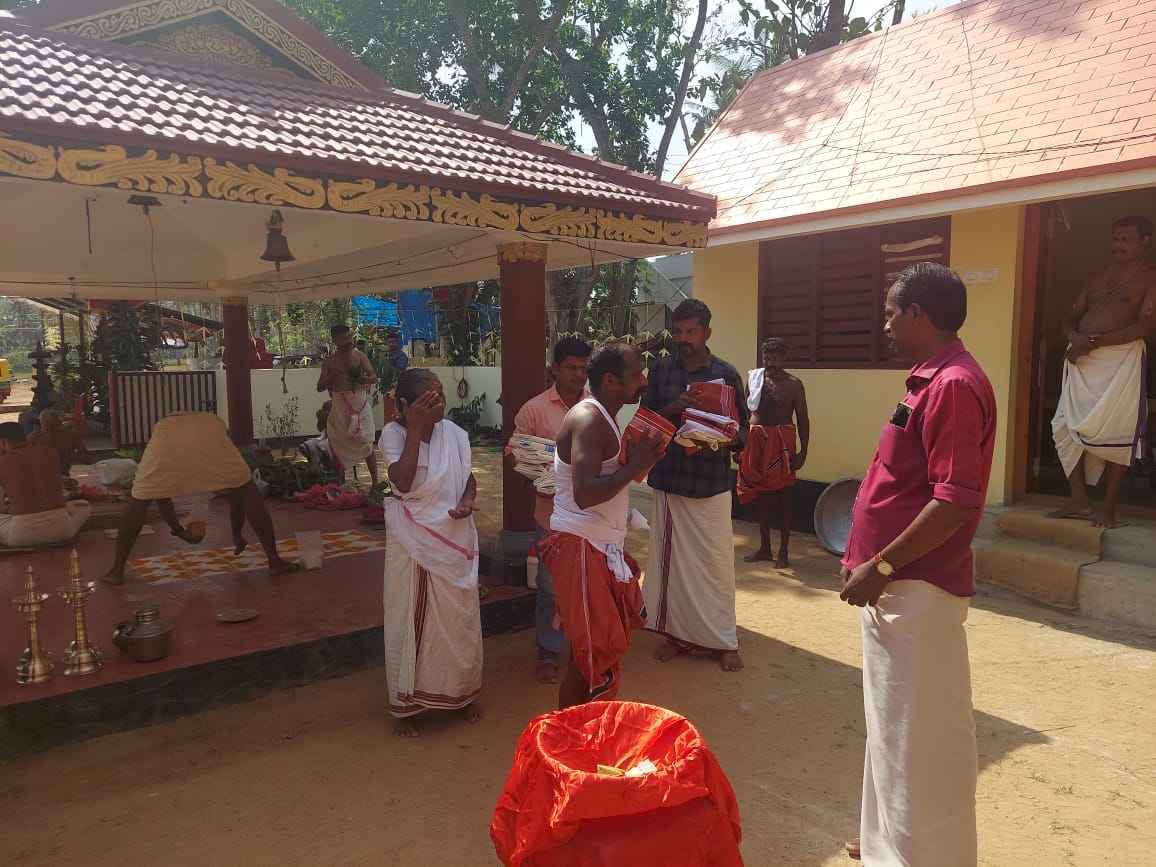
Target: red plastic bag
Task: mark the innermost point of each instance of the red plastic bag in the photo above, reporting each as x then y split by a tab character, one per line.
556	809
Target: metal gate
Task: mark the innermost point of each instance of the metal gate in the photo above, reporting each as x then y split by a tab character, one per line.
139	399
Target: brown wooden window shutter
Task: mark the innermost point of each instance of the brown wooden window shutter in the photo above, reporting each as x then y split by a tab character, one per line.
823	294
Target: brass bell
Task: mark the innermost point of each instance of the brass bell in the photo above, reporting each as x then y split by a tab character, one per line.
276	246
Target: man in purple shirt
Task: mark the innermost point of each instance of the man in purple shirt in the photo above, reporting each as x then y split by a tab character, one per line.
909	566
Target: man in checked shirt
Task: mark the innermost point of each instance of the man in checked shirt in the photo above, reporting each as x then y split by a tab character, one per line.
690	574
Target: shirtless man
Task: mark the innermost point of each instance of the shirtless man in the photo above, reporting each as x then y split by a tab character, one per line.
66	443
771	458
350	430
1099	423
30	477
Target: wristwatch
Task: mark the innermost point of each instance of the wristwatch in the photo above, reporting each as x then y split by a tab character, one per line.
882	566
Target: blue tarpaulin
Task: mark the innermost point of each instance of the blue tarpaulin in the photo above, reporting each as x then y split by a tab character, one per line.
414	316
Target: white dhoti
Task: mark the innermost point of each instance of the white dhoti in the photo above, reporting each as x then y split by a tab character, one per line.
689	586
433	638
919	774
350	428
189	453
433	627
1102	411
44	528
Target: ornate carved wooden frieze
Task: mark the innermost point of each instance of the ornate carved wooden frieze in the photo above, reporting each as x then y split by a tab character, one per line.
151	23
152	171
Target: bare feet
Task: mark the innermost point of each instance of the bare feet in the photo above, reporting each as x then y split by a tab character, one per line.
759	555
852	847
472	712
404	728
782	562
667	652
189	536
280	567
547	672
239	545
1105	518
730	661
114	578
1073	509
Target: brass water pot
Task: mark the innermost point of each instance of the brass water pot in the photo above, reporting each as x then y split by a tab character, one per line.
146	637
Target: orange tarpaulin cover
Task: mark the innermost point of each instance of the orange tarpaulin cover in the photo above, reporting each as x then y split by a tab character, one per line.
556	808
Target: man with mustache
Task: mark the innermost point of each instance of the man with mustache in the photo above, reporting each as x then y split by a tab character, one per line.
690	571
908	565
1099	424
595	579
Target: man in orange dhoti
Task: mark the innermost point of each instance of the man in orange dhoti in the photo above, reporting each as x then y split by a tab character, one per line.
595	580
770	458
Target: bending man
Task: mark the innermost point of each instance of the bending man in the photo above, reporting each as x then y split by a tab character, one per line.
433	626
595	580
1100	420
190	453
348	376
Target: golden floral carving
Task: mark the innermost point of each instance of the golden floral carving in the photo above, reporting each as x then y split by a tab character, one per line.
214	44
462	209
521	251
112	166
249	183
685	233
138	19
633	228
400	201
550	219
26	160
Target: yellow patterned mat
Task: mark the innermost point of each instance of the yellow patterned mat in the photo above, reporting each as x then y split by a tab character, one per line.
194	563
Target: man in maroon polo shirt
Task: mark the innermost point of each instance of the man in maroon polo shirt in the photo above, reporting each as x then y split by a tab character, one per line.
909	566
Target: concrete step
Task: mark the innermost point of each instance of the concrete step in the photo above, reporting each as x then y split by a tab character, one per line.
1118	592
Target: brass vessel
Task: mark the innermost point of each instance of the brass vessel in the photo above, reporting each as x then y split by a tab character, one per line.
146	637
82	657
35	665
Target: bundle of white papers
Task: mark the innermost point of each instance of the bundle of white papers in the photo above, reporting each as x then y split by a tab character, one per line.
534	459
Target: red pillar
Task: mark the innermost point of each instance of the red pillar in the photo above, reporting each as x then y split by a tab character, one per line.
238	379
523	282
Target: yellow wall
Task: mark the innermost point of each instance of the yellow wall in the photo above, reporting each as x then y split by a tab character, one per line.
983	240
849	407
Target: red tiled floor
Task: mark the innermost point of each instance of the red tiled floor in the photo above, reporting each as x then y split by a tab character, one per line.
344	596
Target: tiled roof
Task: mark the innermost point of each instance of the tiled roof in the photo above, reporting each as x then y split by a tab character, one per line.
976	96
58	85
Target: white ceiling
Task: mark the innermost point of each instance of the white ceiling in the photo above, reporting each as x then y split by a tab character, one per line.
198	243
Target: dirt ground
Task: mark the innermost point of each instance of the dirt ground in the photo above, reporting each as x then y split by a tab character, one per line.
1064	708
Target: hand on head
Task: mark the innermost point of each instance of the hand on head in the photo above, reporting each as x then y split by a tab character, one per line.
425	411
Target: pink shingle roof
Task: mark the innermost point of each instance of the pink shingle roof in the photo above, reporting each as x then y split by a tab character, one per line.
979	95
58	85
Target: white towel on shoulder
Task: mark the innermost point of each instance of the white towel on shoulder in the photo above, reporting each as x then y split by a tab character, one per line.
755	380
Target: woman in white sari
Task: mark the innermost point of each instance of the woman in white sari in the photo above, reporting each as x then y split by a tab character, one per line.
433	630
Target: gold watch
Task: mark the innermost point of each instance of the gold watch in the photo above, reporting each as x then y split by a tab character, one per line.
882	566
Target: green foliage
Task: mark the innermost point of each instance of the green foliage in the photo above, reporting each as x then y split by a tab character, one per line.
287	476
130	454
461	324
468	417
281	426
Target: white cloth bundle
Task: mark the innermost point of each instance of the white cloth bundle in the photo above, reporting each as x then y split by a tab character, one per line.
534	459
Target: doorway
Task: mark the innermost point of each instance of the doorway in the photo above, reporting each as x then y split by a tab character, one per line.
1066	242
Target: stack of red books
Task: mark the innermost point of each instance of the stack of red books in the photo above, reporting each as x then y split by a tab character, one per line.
645	420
